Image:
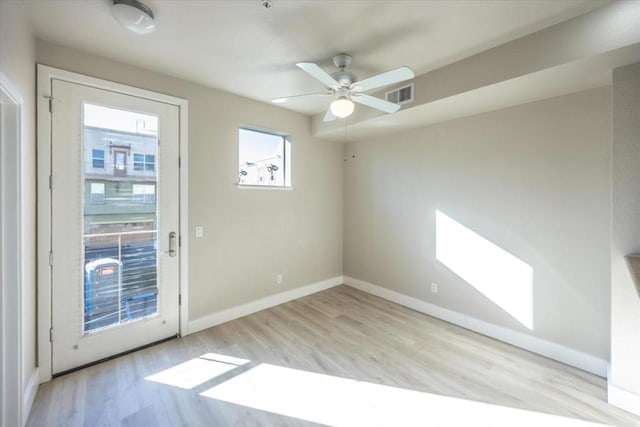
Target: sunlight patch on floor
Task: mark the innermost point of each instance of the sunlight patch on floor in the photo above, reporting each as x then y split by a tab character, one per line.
337	401
197	371
506	280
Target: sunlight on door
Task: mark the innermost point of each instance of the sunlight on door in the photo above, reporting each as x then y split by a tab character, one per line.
506	280
120	216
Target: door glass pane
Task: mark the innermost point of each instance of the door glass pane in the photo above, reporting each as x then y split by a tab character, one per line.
120	216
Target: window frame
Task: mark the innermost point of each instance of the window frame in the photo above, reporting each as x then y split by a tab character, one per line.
137	163
144	198
94	158
286	158
92	199
147	163
143	165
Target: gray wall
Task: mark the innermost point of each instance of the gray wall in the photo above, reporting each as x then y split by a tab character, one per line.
250	235
17	63
625	302
532	179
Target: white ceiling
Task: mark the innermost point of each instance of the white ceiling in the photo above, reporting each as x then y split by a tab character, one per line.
242	48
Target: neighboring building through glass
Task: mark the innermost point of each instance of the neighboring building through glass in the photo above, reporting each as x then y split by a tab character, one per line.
120	216
97	159
264	158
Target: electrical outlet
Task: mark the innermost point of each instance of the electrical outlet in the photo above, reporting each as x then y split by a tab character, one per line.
434	287
199	231
279	279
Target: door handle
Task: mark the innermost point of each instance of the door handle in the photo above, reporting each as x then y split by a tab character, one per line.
172	244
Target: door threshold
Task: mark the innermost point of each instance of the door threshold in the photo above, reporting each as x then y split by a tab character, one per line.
106	359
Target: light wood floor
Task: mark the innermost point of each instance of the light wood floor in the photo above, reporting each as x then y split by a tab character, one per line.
399	358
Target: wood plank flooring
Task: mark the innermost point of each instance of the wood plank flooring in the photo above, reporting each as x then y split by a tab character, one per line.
381	364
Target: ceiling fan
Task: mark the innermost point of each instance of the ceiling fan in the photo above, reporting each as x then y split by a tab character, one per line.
346	89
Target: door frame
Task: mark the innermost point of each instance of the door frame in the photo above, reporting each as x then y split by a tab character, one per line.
11	291
45	74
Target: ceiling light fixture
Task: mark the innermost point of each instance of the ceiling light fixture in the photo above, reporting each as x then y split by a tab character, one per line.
342	107
134	16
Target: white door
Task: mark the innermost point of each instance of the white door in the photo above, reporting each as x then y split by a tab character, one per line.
115	207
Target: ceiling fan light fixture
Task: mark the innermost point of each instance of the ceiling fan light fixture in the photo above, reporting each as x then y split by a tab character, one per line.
134	16
342	107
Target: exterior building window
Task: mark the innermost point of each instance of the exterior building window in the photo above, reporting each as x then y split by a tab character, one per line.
97	159
97	193
149	162
119	163
144	162
264	158
144	193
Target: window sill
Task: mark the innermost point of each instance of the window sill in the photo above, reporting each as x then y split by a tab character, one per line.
263	187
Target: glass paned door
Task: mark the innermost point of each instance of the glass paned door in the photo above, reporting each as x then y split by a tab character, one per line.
115	207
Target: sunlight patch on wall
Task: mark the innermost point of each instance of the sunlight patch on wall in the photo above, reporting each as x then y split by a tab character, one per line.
506	280
197	371
336	401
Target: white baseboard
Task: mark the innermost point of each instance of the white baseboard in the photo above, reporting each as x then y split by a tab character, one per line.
232	313
30	394
533	344
623	399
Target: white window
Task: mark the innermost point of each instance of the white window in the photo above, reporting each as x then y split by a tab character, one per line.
264	158
97	193
144	193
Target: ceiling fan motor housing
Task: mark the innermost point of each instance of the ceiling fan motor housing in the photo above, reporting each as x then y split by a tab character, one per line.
345	78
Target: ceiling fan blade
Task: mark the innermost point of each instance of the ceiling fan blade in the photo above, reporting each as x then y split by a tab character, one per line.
318	73
329	116
300	97
384	79
373	102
